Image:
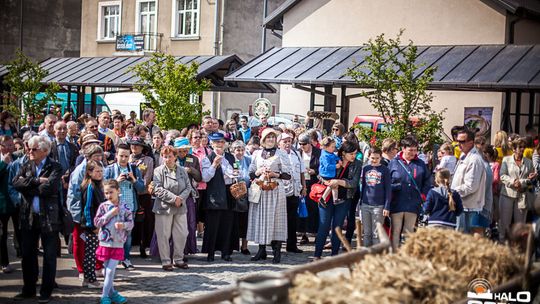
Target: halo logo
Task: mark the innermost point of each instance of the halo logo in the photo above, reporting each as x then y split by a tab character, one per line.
479	292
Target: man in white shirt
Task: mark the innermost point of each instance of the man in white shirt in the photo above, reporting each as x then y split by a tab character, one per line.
469	180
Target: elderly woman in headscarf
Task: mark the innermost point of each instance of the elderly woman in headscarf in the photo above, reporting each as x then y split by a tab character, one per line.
241	173
192	167
267	219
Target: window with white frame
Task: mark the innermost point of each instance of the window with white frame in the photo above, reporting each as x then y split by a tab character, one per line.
109	20
187	16
147	22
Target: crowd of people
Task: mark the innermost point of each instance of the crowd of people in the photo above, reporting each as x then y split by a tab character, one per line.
111	182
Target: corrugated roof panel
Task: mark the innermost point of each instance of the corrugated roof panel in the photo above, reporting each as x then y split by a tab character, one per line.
278	70
501	64
327	63
311	62
61	71
356	59
468	68
271	61
82	74
83	68
207	62
480	67
524	70
444	58
330	62
248	66
122	72
105	68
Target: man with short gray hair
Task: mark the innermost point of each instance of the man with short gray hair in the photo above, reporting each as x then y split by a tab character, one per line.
149	120
39	183
49	122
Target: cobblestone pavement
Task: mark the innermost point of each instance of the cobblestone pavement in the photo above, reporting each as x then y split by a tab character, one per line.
149	283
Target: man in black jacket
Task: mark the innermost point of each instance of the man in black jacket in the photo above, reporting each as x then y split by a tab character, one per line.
39	183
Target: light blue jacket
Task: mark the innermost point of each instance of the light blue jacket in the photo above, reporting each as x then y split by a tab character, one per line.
113	171
73	201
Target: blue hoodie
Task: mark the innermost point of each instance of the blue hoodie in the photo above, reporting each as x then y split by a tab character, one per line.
437	207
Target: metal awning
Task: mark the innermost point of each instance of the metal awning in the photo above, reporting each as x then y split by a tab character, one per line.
460	67
115	72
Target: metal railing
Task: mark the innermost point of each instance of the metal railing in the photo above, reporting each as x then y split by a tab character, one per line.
138	42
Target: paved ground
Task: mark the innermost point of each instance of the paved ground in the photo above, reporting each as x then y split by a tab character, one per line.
149	283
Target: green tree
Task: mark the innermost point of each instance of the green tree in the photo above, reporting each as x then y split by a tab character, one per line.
24	81
169	86
399	91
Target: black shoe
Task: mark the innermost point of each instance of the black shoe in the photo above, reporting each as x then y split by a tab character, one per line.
304	240
226	258
143	253
44	299
245	252
185	260
210	258
276	249
261	254
295	250
23	296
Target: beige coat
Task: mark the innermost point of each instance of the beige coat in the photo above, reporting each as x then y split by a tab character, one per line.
510	171
167	187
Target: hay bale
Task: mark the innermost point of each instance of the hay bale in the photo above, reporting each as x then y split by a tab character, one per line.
466	254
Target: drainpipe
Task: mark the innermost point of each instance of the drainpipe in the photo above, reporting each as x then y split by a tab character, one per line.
21	26
263	39
511	28
214	108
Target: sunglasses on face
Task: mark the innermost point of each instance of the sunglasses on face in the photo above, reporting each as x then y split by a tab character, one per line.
196	137
33	149
302	144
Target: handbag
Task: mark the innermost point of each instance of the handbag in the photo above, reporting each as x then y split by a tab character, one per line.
67	221
254	193
241	204
302	208
317	190
239	190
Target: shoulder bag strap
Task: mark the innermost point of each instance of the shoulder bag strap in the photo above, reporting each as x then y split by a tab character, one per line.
410	176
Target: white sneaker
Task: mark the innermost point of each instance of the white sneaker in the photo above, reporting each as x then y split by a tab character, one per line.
7	269
94	285
127	265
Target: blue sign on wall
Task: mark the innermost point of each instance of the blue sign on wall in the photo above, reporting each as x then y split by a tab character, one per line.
130	42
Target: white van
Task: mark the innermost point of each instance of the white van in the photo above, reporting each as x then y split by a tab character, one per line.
125	102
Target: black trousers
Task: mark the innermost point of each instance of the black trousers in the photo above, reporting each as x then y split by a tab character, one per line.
292	218
4	219
218	231
30	267
351	218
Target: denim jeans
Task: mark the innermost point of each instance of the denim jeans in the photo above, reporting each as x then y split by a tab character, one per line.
370	216
127	247
330	217
464	222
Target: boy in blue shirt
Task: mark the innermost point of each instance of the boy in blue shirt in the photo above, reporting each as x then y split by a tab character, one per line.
376	195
